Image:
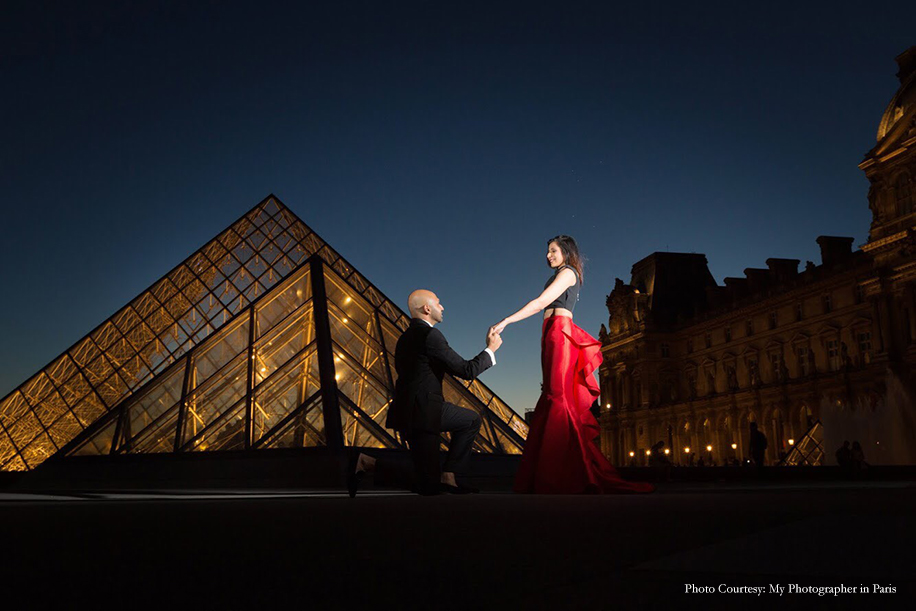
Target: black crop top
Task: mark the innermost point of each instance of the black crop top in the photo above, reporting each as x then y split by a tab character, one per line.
570	296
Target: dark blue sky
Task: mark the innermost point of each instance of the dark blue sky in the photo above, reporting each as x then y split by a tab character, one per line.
438	147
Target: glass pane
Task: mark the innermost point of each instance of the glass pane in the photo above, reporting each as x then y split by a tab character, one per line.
212	399
52	408
65	430
112	390
159	438
219	350
12	408
361	388
355	433
89	409
502	410
509	446
7	450
211	308
98	370
227	433
164	394
286	340
104	336
284	299
356	346
38	451
61	369
452	394
24	430
305	430
519	426
36	389
351	304
98	444
16	464
284	392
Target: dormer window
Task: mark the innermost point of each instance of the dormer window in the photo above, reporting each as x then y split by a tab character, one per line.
749	327
728	333
799	311
773	319
709	340
828	303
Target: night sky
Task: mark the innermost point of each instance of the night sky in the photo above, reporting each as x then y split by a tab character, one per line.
438	146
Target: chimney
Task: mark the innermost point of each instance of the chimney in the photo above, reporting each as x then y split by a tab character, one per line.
907	63
834	249
783	270
757	278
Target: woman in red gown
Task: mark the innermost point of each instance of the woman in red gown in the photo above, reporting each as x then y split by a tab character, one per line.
560	455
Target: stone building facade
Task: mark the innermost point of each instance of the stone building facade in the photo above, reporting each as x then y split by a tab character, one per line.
692	363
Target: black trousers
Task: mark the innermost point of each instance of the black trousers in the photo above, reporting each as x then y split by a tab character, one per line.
424	476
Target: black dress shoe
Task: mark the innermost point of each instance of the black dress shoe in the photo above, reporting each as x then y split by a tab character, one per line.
354	477
459	489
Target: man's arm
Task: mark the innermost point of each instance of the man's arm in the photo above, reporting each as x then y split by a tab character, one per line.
437	347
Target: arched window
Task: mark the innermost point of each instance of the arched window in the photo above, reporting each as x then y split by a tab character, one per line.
904	193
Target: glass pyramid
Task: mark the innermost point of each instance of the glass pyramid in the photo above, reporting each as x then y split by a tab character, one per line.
263	338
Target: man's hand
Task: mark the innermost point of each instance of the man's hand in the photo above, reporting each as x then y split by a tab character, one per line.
494	341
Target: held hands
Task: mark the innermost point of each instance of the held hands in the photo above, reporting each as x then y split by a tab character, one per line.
499	327
494	341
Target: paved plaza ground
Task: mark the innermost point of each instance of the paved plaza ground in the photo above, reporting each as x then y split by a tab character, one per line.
309	548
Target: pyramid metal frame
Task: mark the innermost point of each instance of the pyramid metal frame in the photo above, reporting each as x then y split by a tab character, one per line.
265	337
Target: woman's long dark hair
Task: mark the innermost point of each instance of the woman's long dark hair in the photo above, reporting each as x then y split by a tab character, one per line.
571	255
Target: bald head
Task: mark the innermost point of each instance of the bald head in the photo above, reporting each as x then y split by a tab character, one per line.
425	305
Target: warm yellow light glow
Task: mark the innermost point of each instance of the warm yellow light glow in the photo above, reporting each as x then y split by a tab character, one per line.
648	452
609	406
337	376
632	453
344	321
336	359
263	369
687	450
791	442
709	448
347	300
734	446
667	451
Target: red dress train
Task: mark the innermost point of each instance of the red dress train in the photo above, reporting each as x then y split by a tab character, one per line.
560	454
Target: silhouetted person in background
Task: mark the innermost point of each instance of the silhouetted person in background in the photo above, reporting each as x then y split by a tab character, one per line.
758	445
844	456
857	456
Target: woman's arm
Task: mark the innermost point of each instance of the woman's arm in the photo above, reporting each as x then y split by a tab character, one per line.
565	279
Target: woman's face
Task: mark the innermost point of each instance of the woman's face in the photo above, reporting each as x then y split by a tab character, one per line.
554	255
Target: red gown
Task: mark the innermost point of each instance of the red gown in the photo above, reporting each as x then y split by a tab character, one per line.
560	454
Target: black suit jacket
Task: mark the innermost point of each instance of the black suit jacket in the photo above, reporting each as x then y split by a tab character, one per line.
422	357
